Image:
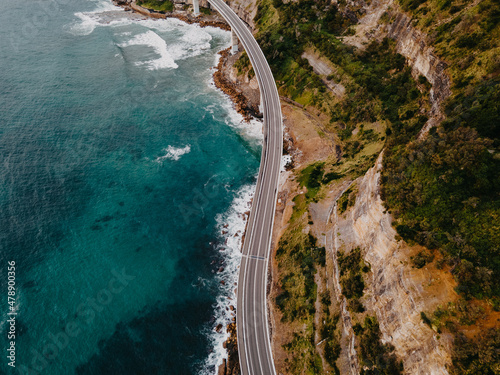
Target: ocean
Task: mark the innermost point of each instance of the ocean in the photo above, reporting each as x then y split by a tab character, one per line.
124	182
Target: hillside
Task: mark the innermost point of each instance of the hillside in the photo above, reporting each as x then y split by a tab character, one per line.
387	257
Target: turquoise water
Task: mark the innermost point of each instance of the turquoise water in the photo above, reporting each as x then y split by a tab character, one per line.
124	177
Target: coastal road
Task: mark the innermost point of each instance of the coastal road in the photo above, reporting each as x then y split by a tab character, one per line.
254	345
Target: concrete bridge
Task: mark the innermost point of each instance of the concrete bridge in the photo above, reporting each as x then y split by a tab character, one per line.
254	345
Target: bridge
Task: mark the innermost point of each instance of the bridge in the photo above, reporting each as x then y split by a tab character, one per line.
254	345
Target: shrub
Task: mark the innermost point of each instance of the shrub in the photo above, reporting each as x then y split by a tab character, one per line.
160	6
422	258
376	358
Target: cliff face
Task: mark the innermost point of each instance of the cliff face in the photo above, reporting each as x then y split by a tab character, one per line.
412	44
396	293
246	10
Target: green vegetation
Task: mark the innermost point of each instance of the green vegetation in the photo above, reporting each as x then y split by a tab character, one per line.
348	199
443	192
331	176
380	83
467	36
300	256
425	319
206	11
351	267
478	107
243	63
159	6
454	314
380	88
381	95
306	357
383	90
477	356
328	332
299	261
312	177
422	258
376	358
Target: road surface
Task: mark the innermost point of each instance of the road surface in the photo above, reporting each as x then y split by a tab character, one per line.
254	346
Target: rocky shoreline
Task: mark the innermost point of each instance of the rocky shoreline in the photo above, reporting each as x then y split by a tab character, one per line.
183	15
231	365
242	103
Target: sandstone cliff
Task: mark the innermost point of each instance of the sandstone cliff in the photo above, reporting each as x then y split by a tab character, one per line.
246	10
411	43
396	293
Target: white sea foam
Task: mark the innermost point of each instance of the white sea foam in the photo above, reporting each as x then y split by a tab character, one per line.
164	25
173	153
193	40
101	16
231	227
252	130
152	39
86	26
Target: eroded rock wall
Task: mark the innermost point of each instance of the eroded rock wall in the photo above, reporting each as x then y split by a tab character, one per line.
246	10
412	44
395	292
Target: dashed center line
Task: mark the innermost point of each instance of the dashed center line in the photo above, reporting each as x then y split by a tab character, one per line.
253	257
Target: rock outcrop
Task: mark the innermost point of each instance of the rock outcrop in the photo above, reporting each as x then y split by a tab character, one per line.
396	293
231	365
222	80
246	10
412	44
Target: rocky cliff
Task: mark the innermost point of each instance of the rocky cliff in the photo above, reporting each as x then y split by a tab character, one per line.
246	10
411	43
396	293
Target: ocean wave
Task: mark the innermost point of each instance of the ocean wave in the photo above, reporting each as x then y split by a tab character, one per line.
173	153
231	227
152	39
194	40
252	129
103	15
